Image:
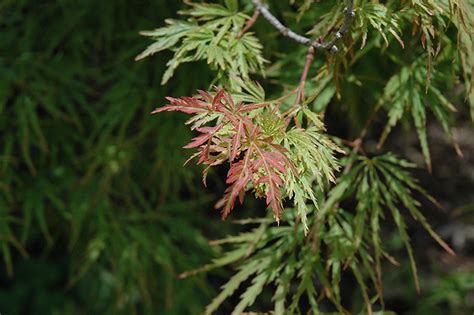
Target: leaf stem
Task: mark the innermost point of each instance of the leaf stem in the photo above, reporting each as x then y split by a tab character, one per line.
304	75
249	23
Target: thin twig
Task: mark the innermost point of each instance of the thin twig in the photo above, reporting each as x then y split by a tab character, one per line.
304	76
329	45
249	23
300	89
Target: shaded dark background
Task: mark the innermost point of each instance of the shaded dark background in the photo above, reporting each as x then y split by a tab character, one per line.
97	214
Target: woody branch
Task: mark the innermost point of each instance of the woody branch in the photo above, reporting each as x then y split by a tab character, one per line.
329	45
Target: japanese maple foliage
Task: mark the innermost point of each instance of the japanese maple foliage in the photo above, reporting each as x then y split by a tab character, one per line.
249	137
279	149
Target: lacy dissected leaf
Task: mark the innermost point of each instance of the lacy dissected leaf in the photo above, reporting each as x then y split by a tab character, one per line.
404	93
254	160
378	17
238	177
166	37
380	184
264	166
230	122
270	166
429	23
312	154
282	154
247	91
262	155
212	35
463	19
229	288
281	256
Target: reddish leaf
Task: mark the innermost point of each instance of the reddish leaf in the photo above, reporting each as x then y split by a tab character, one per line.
274	164
187	105
228	100
207	134
242	108
263	164
239	176
235	145
205	96
216	102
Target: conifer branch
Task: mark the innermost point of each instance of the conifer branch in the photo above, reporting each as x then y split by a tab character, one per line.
329	45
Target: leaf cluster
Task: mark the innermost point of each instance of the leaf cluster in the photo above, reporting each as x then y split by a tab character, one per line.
212	34
297	267
264	153
279	149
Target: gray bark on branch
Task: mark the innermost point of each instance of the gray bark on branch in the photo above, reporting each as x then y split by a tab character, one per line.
329	45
